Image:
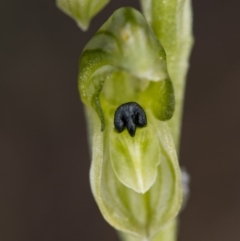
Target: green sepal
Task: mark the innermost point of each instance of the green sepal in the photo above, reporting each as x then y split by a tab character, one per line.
125	44
142	215
82	11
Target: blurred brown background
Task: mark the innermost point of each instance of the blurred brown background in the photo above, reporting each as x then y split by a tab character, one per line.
44	160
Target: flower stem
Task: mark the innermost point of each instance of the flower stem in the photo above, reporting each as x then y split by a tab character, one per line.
169	233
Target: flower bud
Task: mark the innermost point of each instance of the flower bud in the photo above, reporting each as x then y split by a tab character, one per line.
82	11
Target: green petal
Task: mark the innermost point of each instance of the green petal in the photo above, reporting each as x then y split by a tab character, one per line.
135	160
82	11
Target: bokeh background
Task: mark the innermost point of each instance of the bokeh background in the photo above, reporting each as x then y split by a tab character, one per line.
44	160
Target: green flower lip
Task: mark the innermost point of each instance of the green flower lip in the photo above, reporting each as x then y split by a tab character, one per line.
130	115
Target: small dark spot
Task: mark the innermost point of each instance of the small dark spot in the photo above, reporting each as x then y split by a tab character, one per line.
130	115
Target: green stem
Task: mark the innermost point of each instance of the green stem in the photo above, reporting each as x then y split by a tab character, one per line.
171	21
167	234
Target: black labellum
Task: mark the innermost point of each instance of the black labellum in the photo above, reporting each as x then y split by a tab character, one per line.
130	115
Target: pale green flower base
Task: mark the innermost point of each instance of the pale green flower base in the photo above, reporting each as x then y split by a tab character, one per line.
169	233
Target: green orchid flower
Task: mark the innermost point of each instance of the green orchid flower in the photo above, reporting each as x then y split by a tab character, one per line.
131	80
135	180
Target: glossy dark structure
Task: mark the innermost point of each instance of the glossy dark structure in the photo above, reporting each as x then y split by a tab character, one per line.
130	115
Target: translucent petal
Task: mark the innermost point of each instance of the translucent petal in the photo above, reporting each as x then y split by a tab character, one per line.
135	159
